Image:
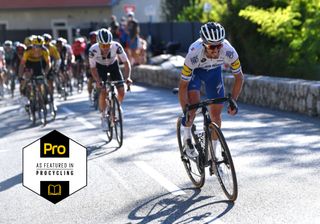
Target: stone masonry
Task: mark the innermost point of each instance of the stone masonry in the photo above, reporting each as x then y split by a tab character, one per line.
286	94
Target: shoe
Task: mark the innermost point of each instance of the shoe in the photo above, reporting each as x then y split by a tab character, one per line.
190	149
104	124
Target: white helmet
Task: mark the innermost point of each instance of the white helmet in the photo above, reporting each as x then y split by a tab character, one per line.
104	36
212	33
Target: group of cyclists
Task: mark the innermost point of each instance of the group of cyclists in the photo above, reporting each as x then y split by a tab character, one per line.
58	62
56	66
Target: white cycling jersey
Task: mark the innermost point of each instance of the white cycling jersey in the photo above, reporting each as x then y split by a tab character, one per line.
196	58
95	55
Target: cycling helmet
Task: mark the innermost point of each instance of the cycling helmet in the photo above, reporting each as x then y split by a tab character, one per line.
21	47
212	33
47	37
38	40
104	36
8	43
61	40
93	33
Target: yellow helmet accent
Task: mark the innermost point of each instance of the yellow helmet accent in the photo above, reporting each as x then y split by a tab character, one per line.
38	40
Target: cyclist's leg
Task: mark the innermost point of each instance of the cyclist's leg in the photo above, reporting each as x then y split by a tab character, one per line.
116	75
193	97
102	71
215	89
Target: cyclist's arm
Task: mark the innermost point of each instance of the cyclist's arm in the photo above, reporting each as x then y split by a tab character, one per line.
186	74
127	70
22	63
93	68
124	59
46	57
237	72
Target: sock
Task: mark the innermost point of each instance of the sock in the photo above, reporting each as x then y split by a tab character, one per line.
214	146
187	133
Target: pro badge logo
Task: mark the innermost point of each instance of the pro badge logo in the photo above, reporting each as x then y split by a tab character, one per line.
54	166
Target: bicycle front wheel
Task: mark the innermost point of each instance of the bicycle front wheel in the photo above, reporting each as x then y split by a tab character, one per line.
117	121
194	171
224	168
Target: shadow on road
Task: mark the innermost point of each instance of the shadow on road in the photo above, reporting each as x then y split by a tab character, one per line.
168	208
11	182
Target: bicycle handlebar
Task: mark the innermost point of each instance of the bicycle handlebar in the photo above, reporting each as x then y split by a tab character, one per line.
205	103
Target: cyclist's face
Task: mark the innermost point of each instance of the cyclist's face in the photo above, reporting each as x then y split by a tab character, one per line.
212	51
104	47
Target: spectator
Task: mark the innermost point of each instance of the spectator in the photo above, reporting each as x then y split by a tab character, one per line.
123	32
114	27
133	40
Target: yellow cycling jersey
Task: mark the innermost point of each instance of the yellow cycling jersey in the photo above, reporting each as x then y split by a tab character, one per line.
35	56
54	53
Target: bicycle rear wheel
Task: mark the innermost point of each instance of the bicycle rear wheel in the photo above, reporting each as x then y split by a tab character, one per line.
117	112
194	171
224	168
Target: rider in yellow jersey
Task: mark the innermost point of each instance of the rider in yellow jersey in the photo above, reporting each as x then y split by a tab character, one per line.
34	59
55	60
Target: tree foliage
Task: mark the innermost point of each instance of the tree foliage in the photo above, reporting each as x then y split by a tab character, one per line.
297	25
195	11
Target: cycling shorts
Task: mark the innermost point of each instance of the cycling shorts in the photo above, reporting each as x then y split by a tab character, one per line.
113	69
36	67
212	79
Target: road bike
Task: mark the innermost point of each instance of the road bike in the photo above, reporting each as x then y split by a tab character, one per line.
220	160
113	111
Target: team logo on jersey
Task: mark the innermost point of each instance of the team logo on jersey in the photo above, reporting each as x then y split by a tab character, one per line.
119	50
229	54
203	60
235	65
91	54
194	59
186	71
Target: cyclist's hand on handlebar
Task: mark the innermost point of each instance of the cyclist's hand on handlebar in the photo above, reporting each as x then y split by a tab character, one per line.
232	107
128	82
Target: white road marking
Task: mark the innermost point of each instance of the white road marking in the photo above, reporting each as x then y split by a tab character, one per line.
70	112
173	189
82	120
86	123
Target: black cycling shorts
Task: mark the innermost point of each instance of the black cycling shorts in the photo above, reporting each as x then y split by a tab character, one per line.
114	70
37	67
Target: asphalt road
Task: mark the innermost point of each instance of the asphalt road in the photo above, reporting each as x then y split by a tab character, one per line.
276	155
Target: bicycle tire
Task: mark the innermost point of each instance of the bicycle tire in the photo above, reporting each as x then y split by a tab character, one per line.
197	179
224	166
109	132
117	112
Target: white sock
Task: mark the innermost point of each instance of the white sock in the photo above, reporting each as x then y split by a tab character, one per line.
187	133
214	147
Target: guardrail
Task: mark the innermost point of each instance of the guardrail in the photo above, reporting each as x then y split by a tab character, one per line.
286	94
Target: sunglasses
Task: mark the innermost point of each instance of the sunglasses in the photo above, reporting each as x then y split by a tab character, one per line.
104	46
213	47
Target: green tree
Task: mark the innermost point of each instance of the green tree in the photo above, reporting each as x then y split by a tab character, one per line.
294	26
195	11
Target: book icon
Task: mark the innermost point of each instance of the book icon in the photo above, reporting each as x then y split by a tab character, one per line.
54	189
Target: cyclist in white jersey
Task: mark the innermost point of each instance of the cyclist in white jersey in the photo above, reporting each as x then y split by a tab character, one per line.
203	63
103	59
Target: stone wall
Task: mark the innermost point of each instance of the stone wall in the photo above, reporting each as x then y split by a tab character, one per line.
286	94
